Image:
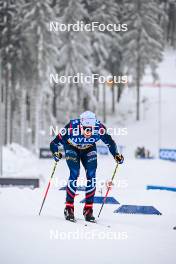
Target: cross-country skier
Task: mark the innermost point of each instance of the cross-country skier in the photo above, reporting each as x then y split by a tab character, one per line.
79	139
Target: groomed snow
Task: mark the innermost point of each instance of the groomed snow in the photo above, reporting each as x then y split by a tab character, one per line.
26	237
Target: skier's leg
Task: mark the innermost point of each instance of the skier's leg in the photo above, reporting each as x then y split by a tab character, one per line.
89	161
73	162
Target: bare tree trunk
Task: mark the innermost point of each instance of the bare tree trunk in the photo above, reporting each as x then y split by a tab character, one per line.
12	138
138	94
120	87
97	90
138	77
113	98
38	95
23	116
85	103
119	91
8	104
37	125
98	93
35	119
104	102
32	114
54	108
138	71
1	118
78	99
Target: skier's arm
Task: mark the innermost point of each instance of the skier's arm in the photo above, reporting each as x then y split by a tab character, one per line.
59	140
107	139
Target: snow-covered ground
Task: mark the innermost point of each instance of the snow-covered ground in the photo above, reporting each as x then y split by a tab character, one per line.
27	238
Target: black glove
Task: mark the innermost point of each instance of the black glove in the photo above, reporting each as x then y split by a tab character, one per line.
57	156
119	158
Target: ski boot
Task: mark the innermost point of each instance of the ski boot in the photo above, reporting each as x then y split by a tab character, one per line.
69	212
88	213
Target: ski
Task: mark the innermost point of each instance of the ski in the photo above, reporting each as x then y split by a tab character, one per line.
71	220
88	223
97	223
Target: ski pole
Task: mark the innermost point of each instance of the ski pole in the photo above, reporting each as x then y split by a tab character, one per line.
47	189
104	200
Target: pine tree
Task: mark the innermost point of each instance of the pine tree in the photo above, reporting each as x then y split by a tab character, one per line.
143	42
106	44
8	48
42	46
75	57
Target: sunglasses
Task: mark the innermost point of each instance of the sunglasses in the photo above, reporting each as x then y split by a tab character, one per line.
87	129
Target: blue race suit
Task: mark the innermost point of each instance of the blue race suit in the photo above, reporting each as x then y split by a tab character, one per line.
79	148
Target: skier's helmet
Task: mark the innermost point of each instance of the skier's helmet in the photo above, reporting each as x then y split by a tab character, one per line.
88	119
